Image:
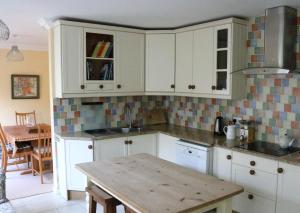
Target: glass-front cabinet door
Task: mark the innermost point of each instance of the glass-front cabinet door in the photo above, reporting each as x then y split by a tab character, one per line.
99	59
222	64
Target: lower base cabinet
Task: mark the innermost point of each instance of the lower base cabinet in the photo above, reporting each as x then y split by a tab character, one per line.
167	147
110	148
288	190
251	203
70	153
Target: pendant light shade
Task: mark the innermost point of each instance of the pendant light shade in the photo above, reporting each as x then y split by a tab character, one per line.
14	54
4	31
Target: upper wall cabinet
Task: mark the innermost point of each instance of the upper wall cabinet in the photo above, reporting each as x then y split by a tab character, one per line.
160	62
198	61
97	60
68	60
130	54
207	58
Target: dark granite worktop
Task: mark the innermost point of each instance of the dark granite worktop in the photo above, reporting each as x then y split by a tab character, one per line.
197	136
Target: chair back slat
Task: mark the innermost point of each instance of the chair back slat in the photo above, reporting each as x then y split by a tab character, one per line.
44	141
25	118
4	157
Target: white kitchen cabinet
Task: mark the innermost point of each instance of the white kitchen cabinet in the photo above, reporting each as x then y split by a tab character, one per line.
77	151
160	62
167	147
61	167
68	60
142	144
252	203
130	54
203	60
222	163
288	196
110	148
184	62
99	65
123	146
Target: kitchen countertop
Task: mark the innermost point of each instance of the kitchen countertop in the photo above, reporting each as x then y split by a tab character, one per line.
197	136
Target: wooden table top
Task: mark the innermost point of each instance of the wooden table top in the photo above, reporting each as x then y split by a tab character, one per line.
19	133
149	184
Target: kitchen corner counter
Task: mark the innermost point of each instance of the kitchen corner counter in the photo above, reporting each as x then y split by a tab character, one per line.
197	136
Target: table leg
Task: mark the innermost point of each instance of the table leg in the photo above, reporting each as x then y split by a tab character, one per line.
225	206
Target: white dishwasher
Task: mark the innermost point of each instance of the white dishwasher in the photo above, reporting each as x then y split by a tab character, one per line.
194	156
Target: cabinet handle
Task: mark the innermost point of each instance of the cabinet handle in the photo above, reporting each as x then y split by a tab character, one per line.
101	86
228	157
193	87
189	86
252	163
172	86
280	170
250	196
126	142
190	152
252	172
82	86
130	142
213	87
90	146
119	86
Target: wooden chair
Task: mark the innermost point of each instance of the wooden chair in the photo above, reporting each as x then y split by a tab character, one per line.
43	152
96	195
7	153
25	118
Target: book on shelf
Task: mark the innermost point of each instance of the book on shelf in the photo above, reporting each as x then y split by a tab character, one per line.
109	50
106	46
96	49
101	49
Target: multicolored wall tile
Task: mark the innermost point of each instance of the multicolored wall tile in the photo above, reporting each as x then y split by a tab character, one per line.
70	115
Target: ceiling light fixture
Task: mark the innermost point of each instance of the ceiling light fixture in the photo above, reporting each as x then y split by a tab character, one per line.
14	54
4	31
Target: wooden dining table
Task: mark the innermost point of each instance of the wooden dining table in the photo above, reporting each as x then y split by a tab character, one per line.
147	184
20	134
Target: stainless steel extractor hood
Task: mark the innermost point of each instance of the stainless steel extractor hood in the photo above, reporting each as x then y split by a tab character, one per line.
280	42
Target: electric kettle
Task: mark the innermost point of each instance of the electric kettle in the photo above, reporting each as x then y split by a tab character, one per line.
219	125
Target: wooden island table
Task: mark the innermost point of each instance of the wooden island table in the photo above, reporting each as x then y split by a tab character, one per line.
147	184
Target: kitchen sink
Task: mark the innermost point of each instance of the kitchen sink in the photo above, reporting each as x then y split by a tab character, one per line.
109	131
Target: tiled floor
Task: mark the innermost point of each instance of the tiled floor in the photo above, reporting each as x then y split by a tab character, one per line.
52	203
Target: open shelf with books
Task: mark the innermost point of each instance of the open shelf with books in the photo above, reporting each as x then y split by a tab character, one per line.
99	56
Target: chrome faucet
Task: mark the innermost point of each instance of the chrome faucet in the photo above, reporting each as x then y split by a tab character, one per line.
128	112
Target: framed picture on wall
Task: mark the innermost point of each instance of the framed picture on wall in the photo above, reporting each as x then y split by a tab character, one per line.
25	86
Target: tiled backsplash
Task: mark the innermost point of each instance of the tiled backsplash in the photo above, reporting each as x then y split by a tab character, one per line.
274	101
71	115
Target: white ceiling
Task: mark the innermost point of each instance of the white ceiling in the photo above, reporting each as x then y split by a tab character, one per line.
22	16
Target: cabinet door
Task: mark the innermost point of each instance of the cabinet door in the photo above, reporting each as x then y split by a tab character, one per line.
142	144
72	59
288	196
130	62
167	147
110	148
203	60
77	152
184	62
222	163
222	59
251	203
160	62
255	181
61	167
99	59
